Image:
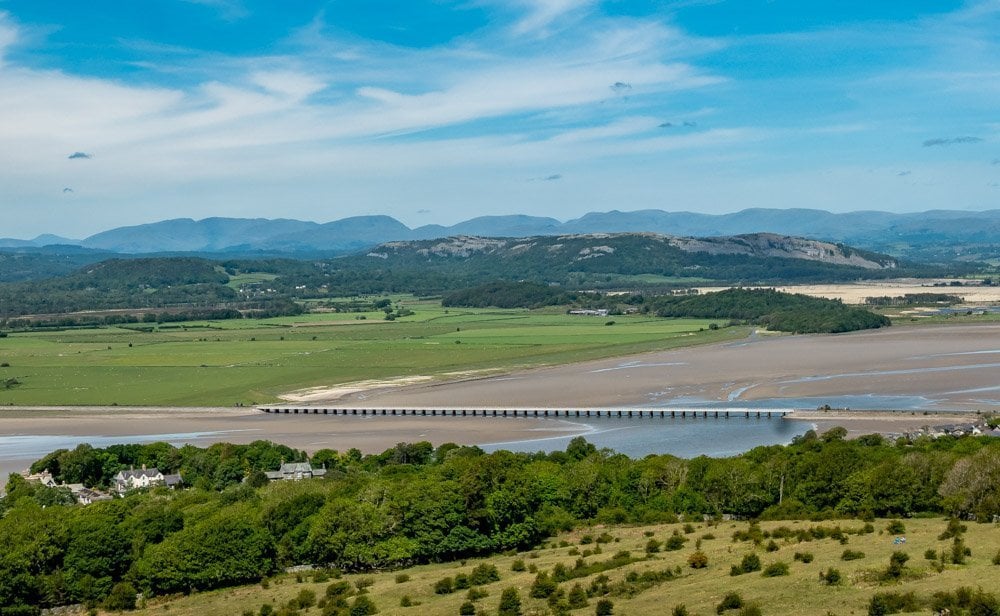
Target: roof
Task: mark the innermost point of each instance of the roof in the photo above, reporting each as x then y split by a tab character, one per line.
147	472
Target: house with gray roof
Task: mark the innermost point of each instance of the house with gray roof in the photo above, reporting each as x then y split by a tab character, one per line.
295	471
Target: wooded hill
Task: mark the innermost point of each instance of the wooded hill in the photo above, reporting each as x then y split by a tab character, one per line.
415	504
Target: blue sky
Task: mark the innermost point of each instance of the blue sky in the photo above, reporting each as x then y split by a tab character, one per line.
435	111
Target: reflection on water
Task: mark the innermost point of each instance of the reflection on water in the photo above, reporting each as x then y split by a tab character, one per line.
686	438
868	402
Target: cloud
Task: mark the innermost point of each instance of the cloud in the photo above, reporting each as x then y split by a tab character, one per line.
619	87
996	161
229	10
903	174
423	211
541	15
83	155
548	178
666	125
950	141
67	190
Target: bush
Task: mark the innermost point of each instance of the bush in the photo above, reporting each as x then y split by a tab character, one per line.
679	610
750	562
772	546
653	546
577	597
363	606
517	565
543	586
831	577
444	586
852	555
121	597
475	594
732	601
402	578
930	554
698	560
405	601
484	574
605	607
306	598
510	603
467	609
895	527
996	558
883	603
896	564
776	569
676	541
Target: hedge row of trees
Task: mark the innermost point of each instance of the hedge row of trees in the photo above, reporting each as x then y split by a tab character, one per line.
414	503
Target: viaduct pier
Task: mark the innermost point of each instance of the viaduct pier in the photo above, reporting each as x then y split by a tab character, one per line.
636	412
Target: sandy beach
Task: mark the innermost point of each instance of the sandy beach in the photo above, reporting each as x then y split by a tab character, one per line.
938	368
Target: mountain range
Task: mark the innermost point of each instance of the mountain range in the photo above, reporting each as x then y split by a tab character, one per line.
931	234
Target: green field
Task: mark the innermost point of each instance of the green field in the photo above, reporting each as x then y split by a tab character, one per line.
700	590
253	361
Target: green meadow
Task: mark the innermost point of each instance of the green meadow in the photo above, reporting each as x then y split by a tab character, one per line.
253	361
700	591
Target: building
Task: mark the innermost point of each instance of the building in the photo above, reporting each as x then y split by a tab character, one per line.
86	496
144	478
294	471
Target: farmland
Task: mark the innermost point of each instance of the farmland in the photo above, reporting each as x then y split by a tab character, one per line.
253	361
699	590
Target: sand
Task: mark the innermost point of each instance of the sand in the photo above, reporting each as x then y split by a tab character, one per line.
933	367
856	293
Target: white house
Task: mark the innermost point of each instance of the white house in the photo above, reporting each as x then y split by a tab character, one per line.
295	471
134	479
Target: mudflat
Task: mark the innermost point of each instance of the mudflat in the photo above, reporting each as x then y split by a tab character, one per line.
928	368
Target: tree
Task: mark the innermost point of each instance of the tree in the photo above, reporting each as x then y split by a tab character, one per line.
510	603
605	607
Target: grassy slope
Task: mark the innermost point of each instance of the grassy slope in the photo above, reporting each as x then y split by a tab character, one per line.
700	590
252	361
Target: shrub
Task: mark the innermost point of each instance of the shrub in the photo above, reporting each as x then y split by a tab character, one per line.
698	560
732	601
605	538
510	603
930	554
750	562
484	574
676	541
896	563
475	594
467	609
679	610
776	569
306	598
402	578
405	601
953	529
772	546
803	557
462	582
852	555
959	551
831	577
688	529
883	603
996	558
577	597
122	597
517	565
363	606
895	527
543	586
653	546
444	586
605	607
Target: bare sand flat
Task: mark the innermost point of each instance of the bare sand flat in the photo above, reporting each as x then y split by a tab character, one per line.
934	367
857	292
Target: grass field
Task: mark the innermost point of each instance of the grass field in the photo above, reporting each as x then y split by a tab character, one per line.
700	590
253	361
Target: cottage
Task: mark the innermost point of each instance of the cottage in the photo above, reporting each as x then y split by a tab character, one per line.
294	471
86	496
146	477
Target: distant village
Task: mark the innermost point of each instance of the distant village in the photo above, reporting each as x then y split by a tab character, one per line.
126	481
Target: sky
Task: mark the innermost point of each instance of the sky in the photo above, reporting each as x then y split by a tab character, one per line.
120	112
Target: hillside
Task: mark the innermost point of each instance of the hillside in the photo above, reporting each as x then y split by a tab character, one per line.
939	235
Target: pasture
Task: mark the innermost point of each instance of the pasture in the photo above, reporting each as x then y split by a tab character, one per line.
222	363
801	591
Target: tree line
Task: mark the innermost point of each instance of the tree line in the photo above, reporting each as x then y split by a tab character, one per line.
415	503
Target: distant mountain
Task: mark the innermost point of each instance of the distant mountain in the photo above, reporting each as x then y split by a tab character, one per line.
934	235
